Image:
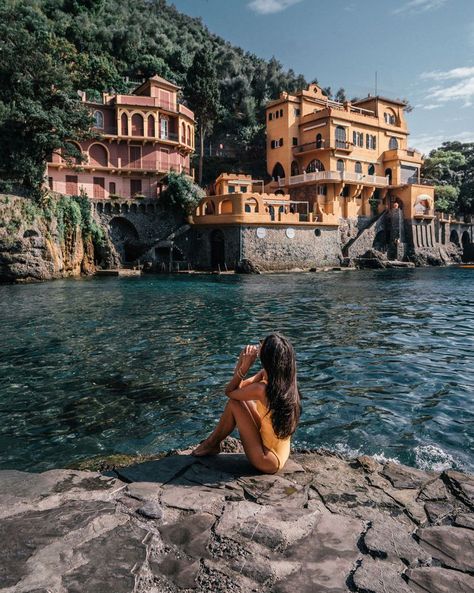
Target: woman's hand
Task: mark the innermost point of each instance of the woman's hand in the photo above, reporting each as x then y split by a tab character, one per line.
246	358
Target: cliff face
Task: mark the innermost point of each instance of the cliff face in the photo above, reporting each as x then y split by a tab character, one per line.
36	245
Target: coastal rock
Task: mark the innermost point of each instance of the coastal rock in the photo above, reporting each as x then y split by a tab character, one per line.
215	524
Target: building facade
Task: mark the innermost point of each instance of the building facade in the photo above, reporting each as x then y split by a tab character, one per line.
343	157
140	138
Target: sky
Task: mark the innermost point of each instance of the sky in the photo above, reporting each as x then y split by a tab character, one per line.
421	50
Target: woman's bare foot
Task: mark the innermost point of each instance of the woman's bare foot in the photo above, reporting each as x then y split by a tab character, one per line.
207	447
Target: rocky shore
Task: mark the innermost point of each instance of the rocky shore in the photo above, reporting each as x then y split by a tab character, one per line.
325	524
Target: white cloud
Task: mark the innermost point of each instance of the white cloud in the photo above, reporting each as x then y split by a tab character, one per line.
427	142
271	6
417	6
428	106
458	86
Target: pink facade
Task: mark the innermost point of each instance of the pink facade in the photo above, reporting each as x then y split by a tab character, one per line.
142	137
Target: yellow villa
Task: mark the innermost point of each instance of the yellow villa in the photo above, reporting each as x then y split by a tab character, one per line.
340	155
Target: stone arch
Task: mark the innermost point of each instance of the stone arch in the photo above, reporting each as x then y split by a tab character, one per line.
98	155
108	208
278	171
467	247
454	237
225	207
295	168
465	239
314	166
124	236
251	206
183	133
124	124
217	247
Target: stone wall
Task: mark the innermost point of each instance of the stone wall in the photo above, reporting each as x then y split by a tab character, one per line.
367	238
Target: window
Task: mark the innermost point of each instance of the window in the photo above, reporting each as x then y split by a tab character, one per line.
273	144
371	170
319	141
340	137
99	120
390	119
99	187
135	156
358	167
151	125
112	188
393	144
71	185
270	116
124	124
164	128
281	112
231	189
278	171
340	165
297	112
281	142
295	170
358	139
314	166
277	114
243	189
371	141
135	187
137	125
322	190
50	182
295	141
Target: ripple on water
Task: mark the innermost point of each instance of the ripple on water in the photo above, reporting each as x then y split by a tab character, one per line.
108	365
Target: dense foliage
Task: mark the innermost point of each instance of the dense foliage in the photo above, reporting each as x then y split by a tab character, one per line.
451	169
181	193
51	48
39	106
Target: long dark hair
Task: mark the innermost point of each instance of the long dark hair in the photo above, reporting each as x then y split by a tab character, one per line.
278	359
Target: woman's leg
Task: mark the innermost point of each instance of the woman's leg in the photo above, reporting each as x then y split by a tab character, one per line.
245	416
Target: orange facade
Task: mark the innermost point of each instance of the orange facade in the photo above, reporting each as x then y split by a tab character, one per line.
140	138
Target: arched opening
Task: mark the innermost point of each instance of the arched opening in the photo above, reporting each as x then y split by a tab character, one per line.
133	208
225	207
314	166
388	173
371	170
209	208
393	144
108	208
151	126
340	137
454	237
271	211
100	207
99	120
183	133
74	147
189	136
279	192
319	141
137	125
164	127
124	124
98	155
358	167
124	236
390	118
278	171
295	169
251	206
217	244
467	247
340	165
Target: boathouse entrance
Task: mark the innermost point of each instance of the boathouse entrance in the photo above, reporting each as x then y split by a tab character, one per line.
217	242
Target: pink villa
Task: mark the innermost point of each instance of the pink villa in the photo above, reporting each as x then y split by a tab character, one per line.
143	136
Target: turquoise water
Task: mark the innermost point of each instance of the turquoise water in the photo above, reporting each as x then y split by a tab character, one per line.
114	365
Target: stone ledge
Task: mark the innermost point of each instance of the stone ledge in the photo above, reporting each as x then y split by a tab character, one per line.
214	524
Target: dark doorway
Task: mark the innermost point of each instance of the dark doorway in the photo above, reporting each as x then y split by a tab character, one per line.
124	236
217	241
388	173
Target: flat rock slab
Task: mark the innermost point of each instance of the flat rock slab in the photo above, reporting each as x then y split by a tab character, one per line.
325	524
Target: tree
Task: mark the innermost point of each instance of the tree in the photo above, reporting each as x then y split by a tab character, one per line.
40	110
446	197
340	95
182	193
204	97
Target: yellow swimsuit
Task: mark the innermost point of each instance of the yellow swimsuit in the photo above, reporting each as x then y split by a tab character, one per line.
280	447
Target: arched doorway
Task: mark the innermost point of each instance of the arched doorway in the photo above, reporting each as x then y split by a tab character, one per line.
278	171
314	166
340	137
454	237
295	170
388	173
98	155
319	141
125	238
371	170
217	243
467	247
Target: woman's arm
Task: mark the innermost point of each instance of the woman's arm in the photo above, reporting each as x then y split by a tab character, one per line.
245	389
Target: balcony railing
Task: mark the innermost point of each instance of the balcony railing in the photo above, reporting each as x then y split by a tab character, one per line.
112	130
323	145
337	176
156	165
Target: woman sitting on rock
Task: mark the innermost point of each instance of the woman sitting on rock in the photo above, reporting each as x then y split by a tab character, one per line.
265	408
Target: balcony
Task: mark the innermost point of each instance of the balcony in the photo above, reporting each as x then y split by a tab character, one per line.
151	165
323	145
335	177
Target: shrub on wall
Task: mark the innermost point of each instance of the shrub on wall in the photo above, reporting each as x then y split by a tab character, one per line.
182	193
